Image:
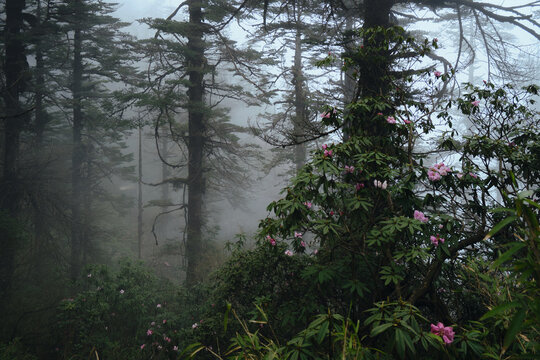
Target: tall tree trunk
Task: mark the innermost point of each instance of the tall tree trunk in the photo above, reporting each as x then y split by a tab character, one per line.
373	73
373	81
40	119
348	81
139	198
77	157
300	120
195	93
14	70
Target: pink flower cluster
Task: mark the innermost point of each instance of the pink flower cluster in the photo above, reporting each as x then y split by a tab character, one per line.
308	204
418	215
271	240
437	74
391	120
436	171
349	169
327	153
288	253
446	332
435	239
475	103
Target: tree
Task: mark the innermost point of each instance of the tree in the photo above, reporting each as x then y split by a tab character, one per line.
99	54
186	93
15	116
369	205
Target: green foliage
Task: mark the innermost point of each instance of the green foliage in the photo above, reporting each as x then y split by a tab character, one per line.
122	314
518	315
397	246
15	350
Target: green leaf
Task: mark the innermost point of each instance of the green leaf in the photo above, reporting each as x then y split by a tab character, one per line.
379	329
514	328
498	309
226	318
499	226
322	332
400	343
507	255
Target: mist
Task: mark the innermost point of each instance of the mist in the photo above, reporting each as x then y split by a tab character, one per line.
278	179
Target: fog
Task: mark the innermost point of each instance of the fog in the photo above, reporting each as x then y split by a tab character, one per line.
228	178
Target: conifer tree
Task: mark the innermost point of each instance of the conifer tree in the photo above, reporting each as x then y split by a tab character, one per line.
99	60
185	57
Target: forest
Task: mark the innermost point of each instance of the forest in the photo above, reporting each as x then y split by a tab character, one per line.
277	179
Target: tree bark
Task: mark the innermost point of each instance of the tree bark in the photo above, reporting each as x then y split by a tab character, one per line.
195	59
139	198
14	69
299	99
77	156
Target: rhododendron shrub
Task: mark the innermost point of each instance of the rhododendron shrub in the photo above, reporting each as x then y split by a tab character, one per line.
395	237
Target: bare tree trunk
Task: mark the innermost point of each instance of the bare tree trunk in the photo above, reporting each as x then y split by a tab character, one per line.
300	120
77	157
40	119
139	200
195	93
14	69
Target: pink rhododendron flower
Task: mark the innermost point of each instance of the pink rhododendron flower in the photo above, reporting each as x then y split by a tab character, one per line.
436	171
175	348
308	204
475	103
390	120
437	74
142	346
194	326
473	175
435	239
441	226
406	121
122	291
89	275
149	332
359	186
158	306
379	113
288	253
324	147
327	153
297	235
164	321
331	213
315	252
302	243
153	323
325	115
446	332
418	215
433	175
271	240
459	176
349	169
